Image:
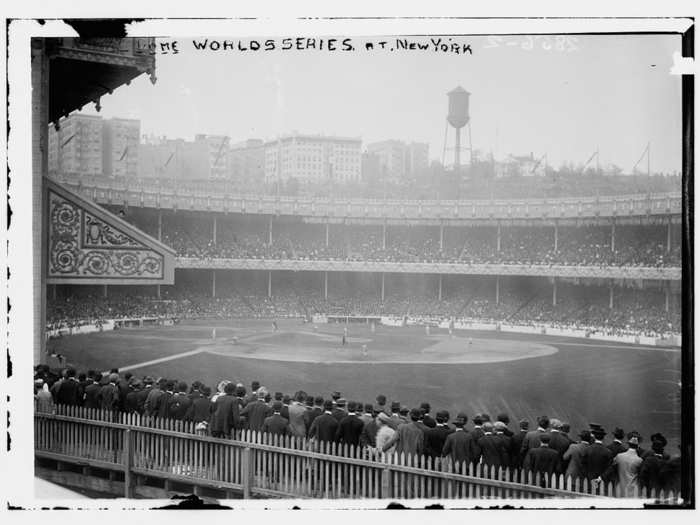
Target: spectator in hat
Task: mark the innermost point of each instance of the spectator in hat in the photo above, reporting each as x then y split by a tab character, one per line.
395	415
499	429
505	419
325	425
149	406
409	438
368	414
558	442
542	461
427	420
286	403
574	456
516	444
253	396
257	411
312	414
180	403
435	437
297	411
368	437
625	467
532	438
92	391
385	433
201	409
225	413
142	394
276	424
457	444
381	404
163	401
650	471
339	411
670	473
492	448
69	391
478	431
131	402
617	446
109	394
350	427
597	457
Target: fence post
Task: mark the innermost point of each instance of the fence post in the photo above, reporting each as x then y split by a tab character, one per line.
386	483
247	471
128	462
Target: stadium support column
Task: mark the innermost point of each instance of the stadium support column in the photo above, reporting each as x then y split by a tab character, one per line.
213	283
554	291
556	237
269	231
498	289
213	230
160	238
269	283
442	236
611	302
440	287
668	236
327	232
498	237
40	141
668	294
104	290
384	237
382	286
325	285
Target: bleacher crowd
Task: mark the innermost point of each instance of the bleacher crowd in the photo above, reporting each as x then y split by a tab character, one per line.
380	426
576	246
633	313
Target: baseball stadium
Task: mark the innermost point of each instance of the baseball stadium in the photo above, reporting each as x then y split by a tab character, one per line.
551	303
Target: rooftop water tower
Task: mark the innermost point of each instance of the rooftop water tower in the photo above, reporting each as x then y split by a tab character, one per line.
458	117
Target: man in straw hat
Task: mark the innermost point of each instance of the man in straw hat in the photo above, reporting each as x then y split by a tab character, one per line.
625	466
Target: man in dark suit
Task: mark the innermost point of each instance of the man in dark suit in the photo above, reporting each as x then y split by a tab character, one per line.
324	426
427	420
142	394
505	419
617	446
368	437
256	412
131	402
201	407
457	445
532	438
163	401
350	427
499	429
435	437
253	396
69	392
653	466
92	391
542	461
516	444
339	411
109	394
276	424
225	413
596	458
313	413
476	434
493	449
558	442
180	403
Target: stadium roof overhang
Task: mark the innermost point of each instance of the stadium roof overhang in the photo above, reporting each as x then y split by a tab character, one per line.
85	244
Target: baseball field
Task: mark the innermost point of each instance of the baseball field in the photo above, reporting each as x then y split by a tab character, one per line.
579	381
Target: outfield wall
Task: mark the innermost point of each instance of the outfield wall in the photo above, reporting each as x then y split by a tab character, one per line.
674	340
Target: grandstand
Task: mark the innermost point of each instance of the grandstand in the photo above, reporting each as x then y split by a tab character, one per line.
602	264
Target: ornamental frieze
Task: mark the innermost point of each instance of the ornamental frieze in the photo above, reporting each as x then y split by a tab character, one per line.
82	245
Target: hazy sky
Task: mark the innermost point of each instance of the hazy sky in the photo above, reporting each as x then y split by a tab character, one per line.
611	92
